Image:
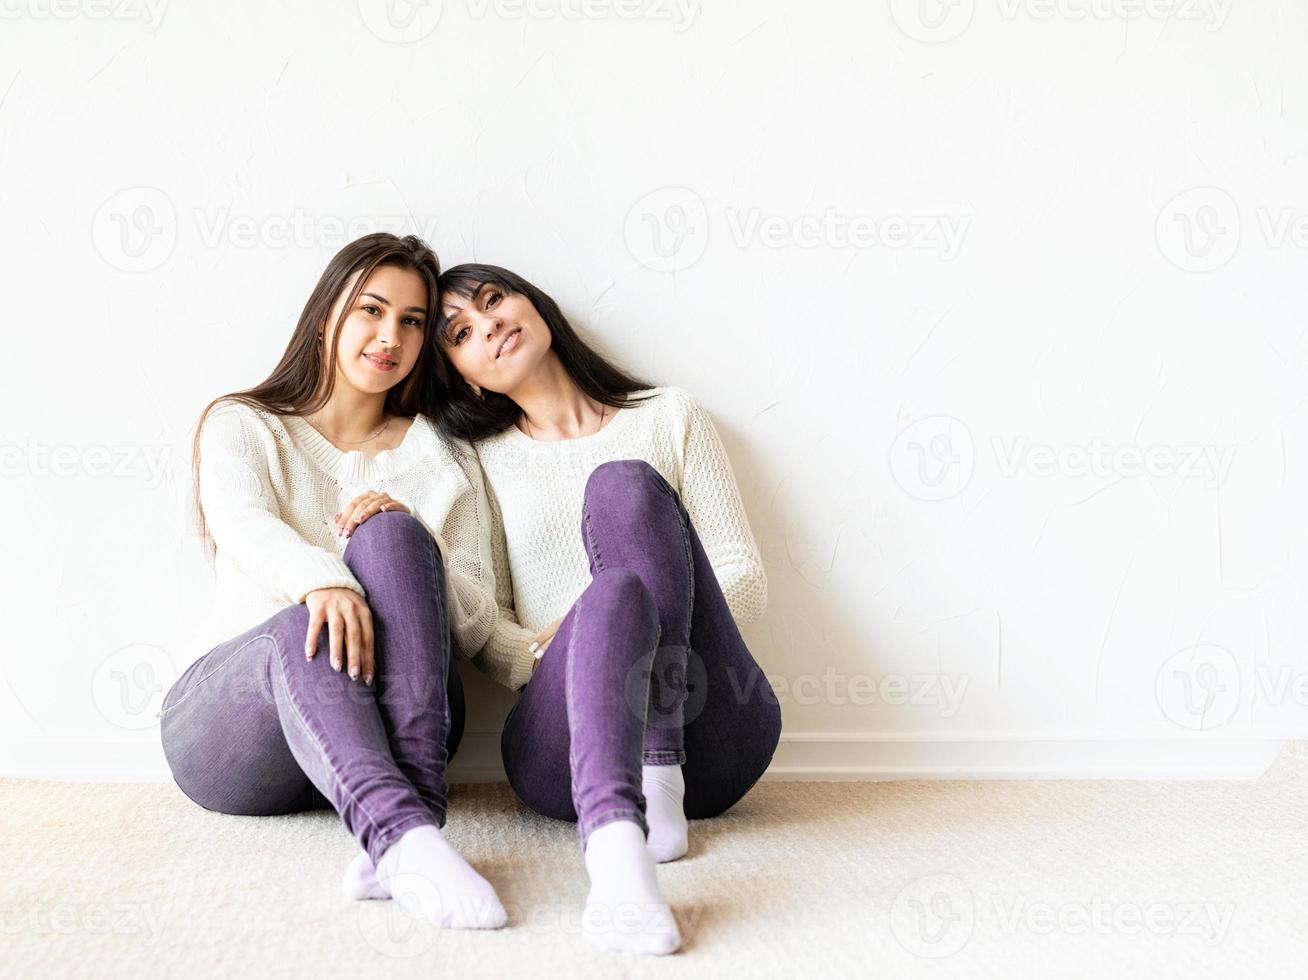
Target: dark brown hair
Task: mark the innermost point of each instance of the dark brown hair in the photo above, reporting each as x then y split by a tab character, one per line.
462	414
299	385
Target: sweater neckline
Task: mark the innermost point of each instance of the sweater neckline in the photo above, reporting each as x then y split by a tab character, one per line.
595	438
355	465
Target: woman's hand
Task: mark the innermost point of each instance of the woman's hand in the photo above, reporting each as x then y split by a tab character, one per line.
543	639
349	623
363	507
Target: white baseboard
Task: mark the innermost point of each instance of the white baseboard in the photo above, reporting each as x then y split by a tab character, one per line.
801	755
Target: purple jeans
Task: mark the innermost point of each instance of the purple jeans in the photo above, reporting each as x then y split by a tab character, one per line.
648	666
254	728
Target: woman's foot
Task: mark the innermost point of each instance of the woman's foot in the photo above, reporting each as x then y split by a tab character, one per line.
664	789
625	911
360	882
430	878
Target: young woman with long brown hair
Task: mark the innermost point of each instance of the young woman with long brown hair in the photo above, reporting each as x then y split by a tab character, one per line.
332	506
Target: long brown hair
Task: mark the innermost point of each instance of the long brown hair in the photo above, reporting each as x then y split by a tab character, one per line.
296	385
462	414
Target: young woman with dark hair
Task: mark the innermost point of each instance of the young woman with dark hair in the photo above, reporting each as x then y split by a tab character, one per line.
620	538
322	675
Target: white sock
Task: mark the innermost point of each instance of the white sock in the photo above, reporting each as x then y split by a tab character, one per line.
360	882
625	911
422	871
665	794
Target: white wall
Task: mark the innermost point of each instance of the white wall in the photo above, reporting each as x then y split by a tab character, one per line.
916	259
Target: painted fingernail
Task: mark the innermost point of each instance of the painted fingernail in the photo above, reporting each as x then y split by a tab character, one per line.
336	664
354	673
532	648
368	680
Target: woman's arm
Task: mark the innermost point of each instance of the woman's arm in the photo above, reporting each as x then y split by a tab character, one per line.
241	511
712	499
505	658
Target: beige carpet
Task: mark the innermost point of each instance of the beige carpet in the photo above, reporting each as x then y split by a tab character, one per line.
984	879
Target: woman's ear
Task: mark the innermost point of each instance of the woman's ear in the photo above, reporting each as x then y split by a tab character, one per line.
476	390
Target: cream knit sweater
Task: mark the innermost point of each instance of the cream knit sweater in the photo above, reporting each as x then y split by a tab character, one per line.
270	485
536	489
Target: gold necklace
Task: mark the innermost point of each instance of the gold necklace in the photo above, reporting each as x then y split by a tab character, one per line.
603	409
342	442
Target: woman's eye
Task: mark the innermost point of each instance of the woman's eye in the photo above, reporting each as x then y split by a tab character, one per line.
492	299
458	337
413	321
369	308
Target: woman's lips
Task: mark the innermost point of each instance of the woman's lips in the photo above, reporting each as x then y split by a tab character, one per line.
380	363
511	342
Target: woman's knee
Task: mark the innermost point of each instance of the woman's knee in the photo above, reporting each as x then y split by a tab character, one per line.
389	534
623	477
623	589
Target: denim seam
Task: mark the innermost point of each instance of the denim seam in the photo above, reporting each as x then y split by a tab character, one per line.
435	565
200	680
304	722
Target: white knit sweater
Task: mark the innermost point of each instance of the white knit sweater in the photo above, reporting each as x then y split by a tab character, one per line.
270	485
536	490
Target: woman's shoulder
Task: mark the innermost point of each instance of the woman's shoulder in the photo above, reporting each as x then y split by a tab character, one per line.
231	416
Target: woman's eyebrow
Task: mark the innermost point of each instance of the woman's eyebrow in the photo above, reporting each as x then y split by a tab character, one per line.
385	302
